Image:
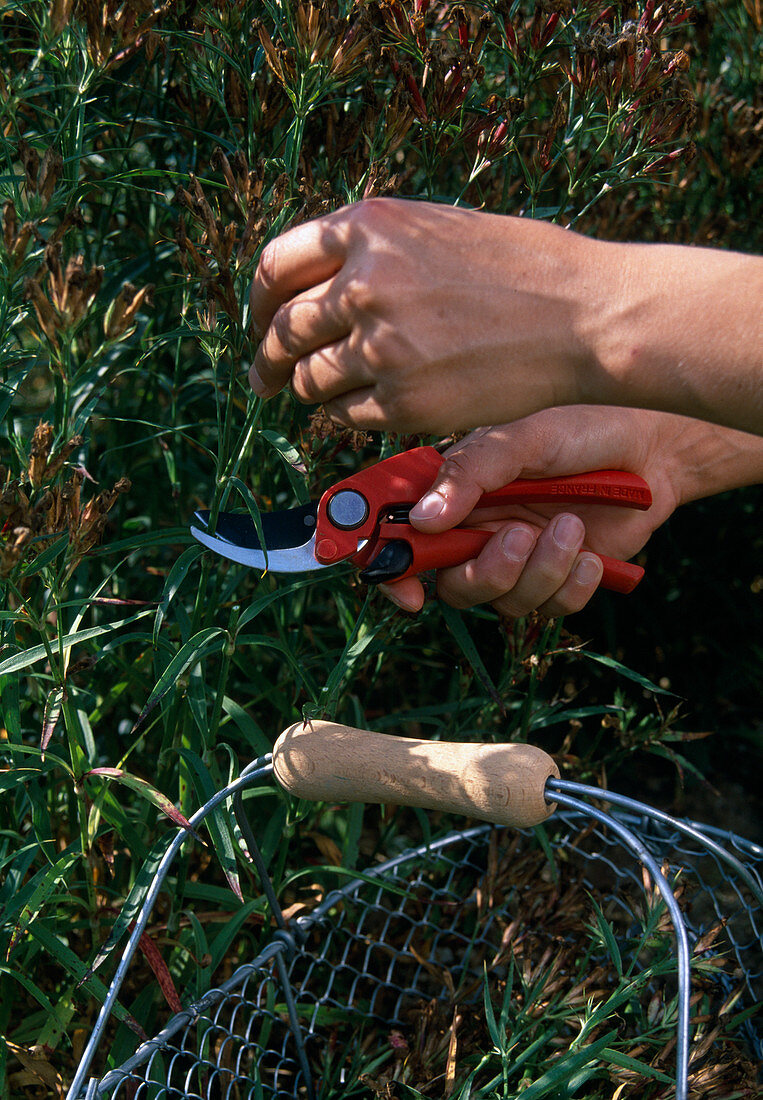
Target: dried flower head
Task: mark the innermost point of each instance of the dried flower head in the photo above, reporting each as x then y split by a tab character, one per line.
16	237
34	511
322	427
121	314
117	30
42	441
71	292
40	175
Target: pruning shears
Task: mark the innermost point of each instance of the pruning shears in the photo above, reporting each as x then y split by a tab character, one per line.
364	519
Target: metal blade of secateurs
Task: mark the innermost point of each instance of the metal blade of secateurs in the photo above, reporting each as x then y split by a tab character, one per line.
289	538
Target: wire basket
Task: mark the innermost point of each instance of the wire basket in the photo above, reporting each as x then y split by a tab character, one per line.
399	955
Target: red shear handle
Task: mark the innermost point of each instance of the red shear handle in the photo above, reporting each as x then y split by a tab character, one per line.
459	544
600	487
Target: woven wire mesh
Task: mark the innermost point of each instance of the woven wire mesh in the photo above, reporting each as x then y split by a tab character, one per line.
422	928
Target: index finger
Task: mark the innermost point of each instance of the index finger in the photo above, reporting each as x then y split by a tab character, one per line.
298	259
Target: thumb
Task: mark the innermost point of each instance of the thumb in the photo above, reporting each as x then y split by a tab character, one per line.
480	463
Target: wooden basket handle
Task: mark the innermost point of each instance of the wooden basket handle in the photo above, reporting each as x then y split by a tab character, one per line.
328	762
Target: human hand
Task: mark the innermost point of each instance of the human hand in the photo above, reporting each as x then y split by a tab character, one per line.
414	316
542	557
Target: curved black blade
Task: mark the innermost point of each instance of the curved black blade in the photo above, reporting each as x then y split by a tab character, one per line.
394	559
280	530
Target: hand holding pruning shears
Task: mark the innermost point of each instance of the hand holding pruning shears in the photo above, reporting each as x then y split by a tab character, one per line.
365	519
414	316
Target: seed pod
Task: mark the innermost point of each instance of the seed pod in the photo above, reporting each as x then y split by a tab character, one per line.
42	441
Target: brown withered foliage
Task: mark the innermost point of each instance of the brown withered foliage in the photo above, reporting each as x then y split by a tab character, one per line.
322	427
16	236
121	314
33	510
41	174
221	248
61	295
116	29
346	44
214	248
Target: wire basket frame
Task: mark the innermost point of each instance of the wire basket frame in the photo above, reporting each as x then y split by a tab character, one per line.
373	953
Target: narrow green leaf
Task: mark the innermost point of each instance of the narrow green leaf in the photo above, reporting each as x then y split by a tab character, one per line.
27	657
221	943
48	759
548	1083
51	715
456	625
678	759
147	791
36	891
623	670
256	608
134	900
10	780
30	987
252	508
248	727
492	1024
292	460
48	555
635	1065
217	822
542	837
295	664
175	578
604	929
548	717
201	644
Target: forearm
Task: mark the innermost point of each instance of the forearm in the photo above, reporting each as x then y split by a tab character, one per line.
679	329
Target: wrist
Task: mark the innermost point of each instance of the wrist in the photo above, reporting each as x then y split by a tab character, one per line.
678	329
701	459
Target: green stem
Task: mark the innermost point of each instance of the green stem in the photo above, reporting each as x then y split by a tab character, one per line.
222	679
80	765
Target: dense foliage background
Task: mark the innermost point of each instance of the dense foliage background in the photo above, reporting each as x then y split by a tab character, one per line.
148	151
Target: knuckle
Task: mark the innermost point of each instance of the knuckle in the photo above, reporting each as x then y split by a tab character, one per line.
356	294
267	268
549	576
264	366
394	405
342	415
373	209
281	328
458	467
299	383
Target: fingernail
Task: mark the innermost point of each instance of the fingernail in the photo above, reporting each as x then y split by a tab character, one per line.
568	532
588	570
391	595
256	383
429	507
517	543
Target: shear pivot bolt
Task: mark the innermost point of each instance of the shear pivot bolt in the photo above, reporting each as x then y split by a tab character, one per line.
347	509
326	551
